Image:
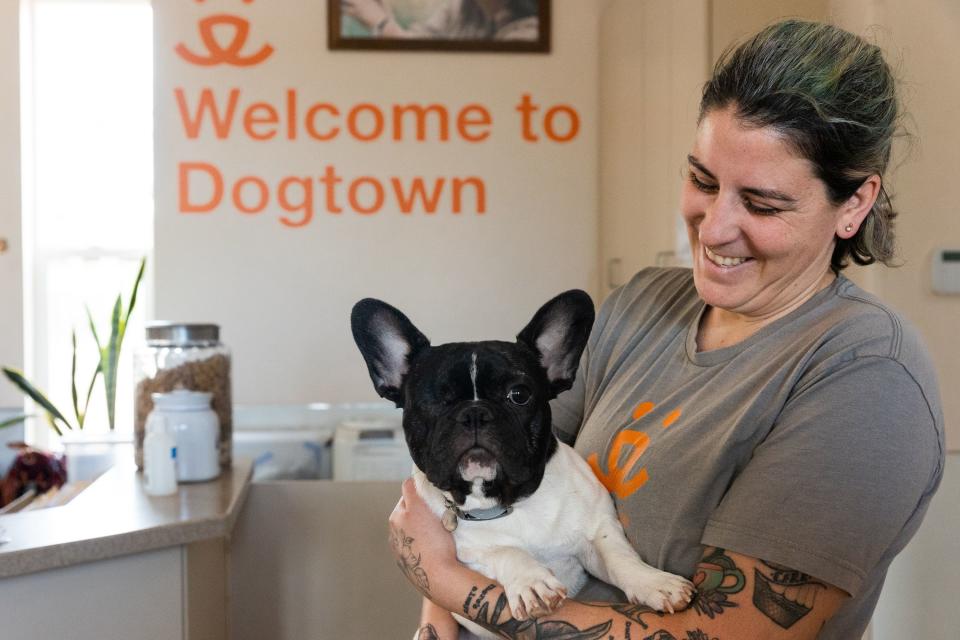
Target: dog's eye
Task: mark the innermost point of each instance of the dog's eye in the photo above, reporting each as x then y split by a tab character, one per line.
519	395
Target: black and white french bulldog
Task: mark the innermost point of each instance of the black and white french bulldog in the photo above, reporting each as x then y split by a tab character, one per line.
525	509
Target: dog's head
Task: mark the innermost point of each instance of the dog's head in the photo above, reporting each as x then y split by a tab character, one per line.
477	411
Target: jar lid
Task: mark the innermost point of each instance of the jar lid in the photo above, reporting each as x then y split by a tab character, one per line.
181	400
180	333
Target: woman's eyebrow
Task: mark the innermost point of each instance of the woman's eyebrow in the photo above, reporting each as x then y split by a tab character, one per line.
770	194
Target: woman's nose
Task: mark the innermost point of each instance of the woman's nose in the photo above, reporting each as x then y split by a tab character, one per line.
720	222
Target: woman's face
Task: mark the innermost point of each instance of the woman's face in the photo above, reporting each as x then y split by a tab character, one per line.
760	224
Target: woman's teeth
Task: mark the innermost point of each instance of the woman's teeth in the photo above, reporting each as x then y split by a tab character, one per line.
723	261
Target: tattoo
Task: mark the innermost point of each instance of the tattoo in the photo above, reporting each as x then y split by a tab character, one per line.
500	621
408	561
483	595
634	612
695	634
626	631
466	603
427	632
716	578
784	595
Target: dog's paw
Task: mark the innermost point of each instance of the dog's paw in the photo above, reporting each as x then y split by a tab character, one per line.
659	590
534	593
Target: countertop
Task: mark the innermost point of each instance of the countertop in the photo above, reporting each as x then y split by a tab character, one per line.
115	517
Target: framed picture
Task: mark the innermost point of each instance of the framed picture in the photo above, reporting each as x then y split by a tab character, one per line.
440	25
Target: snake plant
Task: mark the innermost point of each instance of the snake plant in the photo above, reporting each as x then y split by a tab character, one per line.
109	356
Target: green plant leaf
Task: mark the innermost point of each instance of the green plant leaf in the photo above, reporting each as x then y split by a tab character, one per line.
73	379
14	420
86	403
53	423
21	382
93	330
133	300
110	360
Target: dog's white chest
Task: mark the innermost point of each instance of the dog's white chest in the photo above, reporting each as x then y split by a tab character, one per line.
554	525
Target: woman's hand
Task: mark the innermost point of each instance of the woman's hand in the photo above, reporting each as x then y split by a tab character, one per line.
422	546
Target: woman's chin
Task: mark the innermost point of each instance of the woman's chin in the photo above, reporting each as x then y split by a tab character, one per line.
726	290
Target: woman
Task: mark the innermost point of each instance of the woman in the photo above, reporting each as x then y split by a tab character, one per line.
764	426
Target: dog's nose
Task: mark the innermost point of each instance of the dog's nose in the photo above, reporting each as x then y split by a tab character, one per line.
474	416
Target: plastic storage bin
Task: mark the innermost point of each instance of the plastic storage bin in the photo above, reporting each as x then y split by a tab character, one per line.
295	442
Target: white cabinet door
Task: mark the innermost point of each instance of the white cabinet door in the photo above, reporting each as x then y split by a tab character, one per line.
136	596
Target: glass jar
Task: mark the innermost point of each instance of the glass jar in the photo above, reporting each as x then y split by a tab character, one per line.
183	356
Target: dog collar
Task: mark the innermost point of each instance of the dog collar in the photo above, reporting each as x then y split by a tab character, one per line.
454	513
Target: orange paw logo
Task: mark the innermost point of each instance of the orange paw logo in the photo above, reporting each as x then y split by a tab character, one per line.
621	480
229	54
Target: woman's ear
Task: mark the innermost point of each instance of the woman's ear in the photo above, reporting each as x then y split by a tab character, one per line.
857	206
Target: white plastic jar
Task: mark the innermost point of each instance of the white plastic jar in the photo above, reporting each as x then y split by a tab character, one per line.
195	429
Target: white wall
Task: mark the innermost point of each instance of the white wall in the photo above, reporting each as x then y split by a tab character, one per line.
654	60
919	598
11	273
919	43
283	295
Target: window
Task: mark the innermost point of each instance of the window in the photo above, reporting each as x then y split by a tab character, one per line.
87	106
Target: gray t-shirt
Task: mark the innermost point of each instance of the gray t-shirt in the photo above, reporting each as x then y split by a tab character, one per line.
815	443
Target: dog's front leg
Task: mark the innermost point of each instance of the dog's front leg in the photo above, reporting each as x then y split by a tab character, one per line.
614	560
532	590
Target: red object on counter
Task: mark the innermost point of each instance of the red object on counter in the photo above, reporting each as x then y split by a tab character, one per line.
40	470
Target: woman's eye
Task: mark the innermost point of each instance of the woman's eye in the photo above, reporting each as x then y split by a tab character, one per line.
519	395
764	211
700	185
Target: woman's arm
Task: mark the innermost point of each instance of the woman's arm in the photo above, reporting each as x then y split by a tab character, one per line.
737	596
436	623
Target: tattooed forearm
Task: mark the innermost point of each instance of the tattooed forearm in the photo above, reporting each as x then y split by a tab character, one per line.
427	632
784	595
716	578
408	561
499	620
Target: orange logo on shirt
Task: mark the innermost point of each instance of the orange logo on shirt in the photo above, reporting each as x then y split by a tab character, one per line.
218	54
621	480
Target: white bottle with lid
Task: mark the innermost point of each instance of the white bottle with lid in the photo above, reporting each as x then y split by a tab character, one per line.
196	430
160	458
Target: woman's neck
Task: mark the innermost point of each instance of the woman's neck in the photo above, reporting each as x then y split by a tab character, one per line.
721	328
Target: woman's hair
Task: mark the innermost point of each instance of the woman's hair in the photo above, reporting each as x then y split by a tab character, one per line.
832	95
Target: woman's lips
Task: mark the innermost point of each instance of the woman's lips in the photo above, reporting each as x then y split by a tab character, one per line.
725	261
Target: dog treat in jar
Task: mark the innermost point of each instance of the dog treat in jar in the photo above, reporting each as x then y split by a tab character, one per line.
183	356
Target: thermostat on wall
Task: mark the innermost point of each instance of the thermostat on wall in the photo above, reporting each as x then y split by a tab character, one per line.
946	271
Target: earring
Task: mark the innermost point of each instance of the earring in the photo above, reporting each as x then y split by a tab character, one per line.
848	228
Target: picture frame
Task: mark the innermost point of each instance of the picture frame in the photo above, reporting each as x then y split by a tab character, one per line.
520	26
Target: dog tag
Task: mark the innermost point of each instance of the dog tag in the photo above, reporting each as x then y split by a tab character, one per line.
449	519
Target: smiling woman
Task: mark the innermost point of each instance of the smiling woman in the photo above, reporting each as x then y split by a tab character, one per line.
761	226
745	415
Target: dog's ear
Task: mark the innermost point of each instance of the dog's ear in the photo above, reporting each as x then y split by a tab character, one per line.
558	333
389	342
